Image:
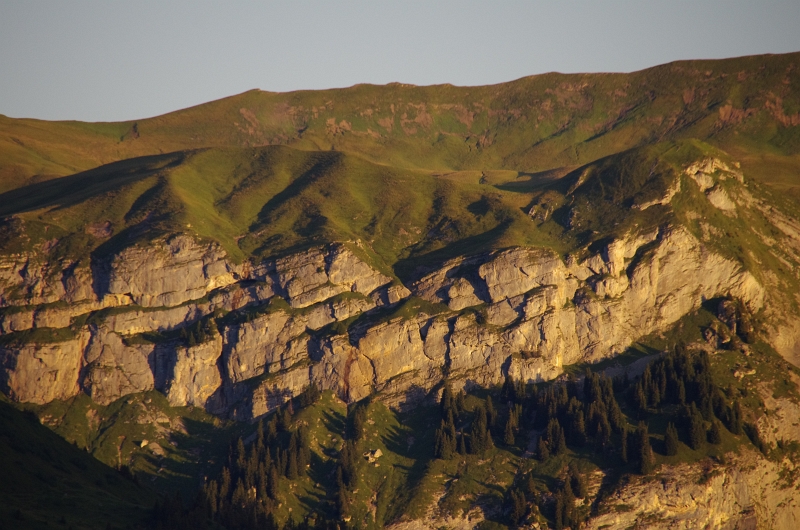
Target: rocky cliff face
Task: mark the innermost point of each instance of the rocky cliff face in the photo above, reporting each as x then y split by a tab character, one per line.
748	492
178	317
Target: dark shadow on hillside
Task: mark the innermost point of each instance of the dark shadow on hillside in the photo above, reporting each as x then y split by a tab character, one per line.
334	422
323	162
68	191
410	268
536	181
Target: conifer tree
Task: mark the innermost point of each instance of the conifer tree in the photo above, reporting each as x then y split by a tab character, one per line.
491	414
736	419
530	487
518	506
578	482
671	440
508	437
359	422
646	459
578	429
509	391
461	405
447	402
480	438
697	428
542	451
623	450
559	515
714	434
559	440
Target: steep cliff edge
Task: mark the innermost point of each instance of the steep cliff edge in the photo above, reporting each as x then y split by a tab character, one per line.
176	314
523	312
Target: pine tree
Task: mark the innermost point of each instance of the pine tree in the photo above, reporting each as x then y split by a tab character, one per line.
447	402
569	505
359	423
239	495
284	418
509	391
714	434
225	483
623	450
671	440
697	429
508	438
461	404
736	420
491	414
530	487
640	399
542	451
241	460
291	467
518	506
272	482
559	515
444	444
560	442
646	460
480	439
615	416
272	429
578	482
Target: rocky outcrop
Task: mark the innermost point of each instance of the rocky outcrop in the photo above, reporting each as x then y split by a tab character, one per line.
40	373
292	321
748	492
168	274
192	373
114	369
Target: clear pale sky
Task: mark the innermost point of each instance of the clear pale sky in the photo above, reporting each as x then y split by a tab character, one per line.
115	60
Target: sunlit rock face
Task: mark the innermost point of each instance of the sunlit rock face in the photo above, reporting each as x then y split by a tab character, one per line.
326	317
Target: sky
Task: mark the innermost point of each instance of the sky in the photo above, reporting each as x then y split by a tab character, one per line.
113	60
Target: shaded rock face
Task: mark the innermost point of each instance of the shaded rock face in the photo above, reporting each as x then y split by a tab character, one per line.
324	316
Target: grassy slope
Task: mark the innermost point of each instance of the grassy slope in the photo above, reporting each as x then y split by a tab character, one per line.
534	123
48	482
184	443
262	201
420	174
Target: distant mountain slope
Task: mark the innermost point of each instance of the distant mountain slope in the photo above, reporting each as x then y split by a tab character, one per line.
534	123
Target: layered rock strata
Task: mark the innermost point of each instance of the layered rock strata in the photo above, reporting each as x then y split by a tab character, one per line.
179	317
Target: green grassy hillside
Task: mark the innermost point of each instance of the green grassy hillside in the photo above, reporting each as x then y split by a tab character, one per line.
263	201
531	124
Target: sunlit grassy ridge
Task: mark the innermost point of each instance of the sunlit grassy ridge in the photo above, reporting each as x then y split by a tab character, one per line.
259	202
417	175
533	123
266	200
